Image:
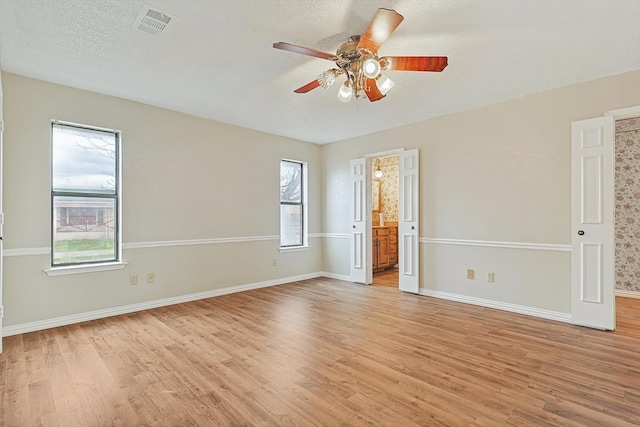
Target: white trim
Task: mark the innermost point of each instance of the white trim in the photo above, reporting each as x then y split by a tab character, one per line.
336	235
284	250
627	294
27	252
514	308
222	240
624	113
388	153
336	276
493	244
115	311
99	314
193	242
84	268
157	244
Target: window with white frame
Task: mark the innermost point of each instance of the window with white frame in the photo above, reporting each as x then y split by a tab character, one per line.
85	194
292	203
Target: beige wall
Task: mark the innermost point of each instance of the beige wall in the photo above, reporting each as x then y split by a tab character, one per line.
494	174
184	178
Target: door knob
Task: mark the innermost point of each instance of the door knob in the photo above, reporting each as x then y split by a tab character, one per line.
580	233
354	226
412	227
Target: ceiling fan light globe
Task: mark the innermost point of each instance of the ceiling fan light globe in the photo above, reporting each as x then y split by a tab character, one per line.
327	78
378	173
346	92
384	84
371	68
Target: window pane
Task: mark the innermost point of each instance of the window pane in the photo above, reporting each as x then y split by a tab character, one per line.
290	181
290	225
84	160
84	229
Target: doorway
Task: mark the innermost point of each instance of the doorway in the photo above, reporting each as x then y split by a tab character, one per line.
408	219
627	206
385	173
626	226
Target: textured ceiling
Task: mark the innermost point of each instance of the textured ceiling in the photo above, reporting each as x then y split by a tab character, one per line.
216	59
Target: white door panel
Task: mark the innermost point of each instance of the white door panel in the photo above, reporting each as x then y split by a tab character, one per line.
1	211
408	223
592	260
360	223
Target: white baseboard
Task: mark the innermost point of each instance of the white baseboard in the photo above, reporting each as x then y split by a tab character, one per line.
335	276
627	294
115	311
100	314
520	309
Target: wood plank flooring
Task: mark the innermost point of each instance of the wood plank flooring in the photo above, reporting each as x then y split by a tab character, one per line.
388	277
323	352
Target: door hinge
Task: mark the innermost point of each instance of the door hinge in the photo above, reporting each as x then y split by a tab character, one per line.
1	312
1	125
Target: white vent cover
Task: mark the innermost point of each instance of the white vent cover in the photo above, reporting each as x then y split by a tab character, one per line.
152	20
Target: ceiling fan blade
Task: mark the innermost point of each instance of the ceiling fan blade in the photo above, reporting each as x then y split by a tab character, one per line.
304	50
416	63
372	91
308	87
384	22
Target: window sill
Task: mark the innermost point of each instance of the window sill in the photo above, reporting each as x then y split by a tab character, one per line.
295	249
87	268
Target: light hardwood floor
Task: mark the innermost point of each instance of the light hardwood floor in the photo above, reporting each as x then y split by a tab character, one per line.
388	277
324	352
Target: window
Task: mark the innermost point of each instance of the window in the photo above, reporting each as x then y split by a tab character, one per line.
85	195
292	203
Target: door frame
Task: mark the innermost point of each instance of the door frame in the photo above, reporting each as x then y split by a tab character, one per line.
364	254
366	249
370	157
621	114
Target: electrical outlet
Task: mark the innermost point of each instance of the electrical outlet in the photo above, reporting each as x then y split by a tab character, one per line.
491	277
274	262
133	279
151	277
471	274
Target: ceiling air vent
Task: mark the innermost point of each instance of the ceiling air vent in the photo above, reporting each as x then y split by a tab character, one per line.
152	21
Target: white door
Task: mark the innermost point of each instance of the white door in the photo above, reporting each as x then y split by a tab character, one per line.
1	211
408	223
360	223
592	223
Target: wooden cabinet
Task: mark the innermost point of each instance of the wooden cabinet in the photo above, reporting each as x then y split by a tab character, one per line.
393	246
385	247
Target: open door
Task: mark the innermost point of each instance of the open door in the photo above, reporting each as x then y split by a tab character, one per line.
408	223
1	211
592	223
360	223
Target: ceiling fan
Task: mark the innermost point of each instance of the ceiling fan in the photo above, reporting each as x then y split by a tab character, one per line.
358	60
